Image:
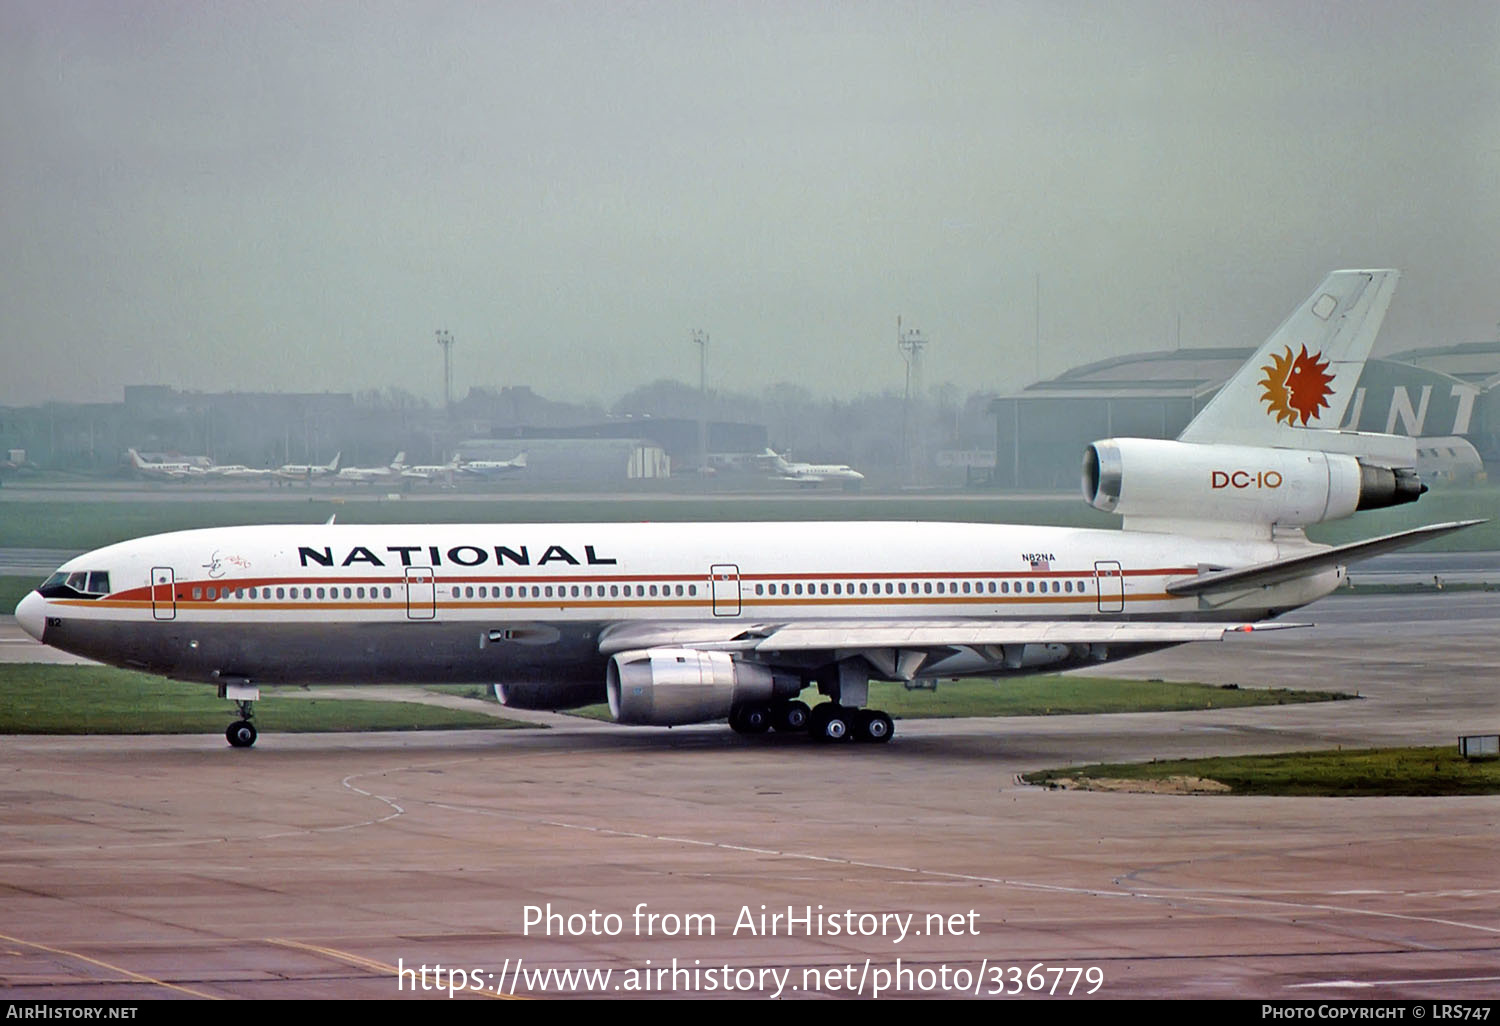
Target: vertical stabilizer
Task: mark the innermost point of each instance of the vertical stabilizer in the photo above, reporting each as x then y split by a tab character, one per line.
1299	383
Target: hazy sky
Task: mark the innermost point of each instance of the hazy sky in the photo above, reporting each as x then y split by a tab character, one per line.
295	196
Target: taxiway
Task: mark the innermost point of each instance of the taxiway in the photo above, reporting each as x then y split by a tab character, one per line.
320	865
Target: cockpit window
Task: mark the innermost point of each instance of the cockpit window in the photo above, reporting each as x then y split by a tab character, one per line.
76	584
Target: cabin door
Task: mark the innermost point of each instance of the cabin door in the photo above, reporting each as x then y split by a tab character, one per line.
725	579
421	593
1110	581
163	593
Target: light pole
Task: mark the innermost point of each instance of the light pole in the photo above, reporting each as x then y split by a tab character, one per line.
700	339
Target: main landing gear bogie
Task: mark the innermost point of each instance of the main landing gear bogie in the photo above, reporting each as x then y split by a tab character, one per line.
831	722
759	717
827	722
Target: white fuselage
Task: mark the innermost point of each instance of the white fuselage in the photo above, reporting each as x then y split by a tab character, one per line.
498	602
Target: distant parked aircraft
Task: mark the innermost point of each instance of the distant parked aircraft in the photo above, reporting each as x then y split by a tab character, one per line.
306	472
807	473
358	475
493	468
179	470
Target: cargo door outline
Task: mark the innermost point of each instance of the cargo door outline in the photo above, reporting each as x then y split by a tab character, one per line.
724	581
163	593
421	593
1109	579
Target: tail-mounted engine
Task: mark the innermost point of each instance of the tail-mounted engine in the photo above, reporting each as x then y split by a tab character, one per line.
1167	480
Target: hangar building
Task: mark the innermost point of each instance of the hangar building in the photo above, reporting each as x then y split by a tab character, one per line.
1445	396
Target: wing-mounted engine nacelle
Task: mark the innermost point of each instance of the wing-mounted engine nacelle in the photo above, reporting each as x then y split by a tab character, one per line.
665	687
1146	477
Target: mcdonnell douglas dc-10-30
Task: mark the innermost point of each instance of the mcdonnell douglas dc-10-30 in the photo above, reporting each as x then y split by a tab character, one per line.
687	623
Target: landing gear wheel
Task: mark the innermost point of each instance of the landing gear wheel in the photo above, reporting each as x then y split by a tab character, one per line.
829	722
873	725
241	734
791	717
752	718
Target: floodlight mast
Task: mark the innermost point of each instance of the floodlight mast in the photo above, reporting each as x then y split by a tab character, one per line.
910	343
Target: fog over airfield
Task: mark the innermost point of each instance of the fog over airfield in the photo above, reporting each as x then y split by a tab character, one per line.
293	196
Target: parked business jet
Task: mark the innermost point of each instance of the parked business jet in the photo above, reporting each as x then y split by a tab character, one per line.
808	473
432	472
363	475
179	470
307	472
237	471
493	468
685	623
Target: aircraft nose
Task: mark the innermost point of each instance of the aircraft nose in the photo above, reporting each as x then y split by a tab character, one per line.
30	614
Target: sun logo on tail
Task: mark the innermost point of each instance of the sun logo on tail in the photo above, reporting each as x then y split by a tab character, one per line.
1296	386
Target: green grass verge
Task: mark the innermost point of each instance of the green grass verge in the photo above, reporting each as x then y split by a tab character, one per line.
1056	695
1365	773
37	698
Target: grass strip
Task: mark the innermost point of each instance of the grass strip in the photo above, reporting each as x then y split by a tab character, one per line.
1348	773
38	698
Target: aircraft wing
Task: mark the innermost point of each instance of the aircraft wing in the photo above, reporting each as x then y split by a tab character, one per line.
1278	570
836	635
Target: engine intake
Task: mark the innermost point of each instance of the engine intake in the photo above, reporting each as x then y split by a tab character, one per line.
1145	477
665	687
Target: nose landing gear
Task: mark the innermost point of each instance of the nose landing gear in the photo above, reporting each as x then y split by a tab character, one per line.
241	733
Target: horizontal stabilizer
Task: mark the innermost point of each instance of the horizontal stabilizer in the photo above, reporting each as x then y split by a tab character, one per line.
1262	575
